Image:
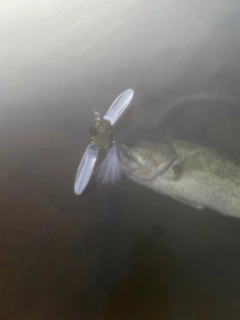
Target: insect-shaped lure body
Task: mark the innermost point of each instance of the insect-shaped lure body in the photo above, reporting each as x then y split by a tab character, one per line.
100	138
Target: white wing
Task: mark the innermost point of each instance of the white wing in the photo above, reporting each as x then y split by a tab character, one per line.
85	168
119	106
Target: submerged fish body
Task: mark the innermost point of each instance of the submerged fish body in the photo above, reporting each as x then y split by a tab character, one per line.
187	172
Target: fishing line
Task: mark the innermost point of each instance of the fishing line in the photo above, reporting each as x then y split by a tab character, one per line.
87	96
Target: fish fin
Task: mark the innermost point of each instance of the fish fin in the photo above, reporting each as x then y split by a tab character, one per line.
188	202
176	170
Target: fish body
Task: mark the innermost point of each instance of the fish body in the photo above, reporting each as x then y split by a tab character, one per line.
190	173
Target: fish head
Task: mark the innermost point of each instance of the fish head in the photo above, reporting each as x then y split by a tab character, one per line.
146	161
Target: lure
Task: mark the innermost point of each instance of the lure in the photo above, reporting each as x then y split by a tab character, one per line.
101	137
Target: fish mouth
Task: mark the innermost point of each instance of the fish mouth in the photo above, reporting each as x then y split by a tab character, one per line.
126	159
124	153
130	165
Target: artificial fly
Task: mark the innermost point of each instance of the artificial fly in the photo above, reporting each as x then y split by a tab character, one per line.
101	137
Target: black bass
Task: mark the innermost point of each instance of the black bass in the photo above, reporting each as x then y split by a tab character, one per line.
190	173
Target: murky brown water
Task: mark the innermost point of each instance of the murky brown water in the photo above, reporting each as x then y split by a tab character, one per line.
119	252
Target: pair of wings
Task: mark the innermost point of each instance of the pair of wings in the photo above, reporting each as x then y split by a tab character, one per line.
89	158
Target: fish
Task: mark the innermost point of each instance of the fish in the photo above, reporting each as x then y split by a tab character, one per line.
193	174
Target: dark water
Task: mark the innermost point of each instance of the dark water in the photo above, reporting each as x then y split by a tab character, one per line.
119	252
